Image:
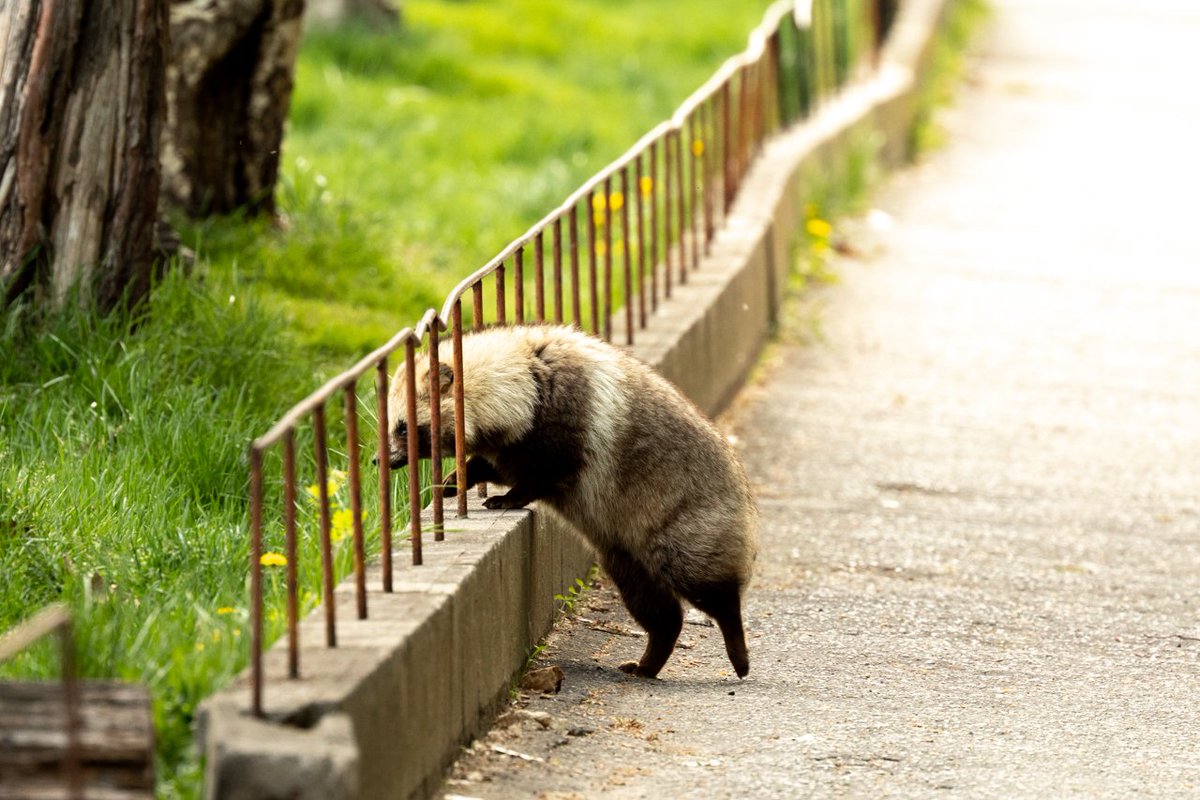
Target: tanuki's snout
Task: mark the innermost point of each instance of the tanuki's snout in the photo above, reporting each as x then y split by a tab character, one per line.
398	445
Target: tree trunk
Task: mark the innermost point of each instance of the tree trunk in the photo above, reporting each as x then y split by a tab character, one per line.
229	83
81	107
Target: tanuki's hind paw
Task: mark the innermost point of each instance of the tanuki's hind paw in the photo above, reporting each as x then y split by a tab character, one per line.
634	668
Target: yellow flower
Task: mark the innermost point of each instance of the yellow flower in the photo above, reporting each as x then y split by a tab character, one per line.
616	200
273	560
647	185
223	610
314	491
601	249
698	148
599	202
599	217
341	523
819	228
336	478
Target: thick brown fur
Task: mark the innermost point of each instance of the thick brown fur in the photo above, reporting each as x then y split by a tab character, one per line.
563	418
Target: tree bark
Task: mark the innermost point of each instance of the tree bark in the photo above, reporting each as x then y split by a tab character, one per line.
81	108
229	85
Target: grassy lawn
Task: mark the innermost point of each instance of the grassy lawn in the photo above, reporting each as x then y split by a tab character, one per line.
411	158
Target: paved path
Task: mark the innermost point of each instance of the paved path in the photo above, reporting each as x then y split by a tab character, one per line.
980	571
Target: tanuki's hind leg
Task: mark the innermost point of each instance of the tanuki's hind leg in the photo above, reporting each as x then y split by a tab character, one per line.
652	604
723	602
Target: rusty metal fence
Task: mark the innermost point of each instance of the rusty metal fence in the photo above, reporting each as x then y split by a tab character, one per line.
603	261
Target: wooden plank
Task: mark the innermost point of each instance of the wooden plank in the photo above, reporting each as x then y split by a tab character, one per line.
116	739
56	790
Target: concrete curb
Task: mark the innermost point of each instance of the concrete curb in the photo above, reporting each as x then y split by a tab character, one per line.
385	712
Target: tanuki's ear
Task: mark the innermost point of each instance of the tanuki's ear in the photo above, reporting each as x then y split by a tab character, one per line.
447	376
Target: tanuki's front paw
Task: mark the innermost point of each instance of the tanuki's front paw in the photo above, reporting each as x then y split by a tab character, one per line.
504	502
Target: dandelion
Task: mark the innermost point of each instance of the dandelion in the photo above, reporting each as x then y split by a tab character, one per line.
225	610
647	185
336	479
819	228
342	523
698	148
599	202
273	560
616	200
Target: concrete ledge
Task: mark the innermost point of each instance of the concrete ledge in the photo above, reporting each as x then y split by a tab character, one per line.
383	714
415	679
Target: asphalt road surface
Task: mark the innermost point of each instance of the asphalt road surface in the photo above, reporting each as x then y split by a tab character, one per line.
980	486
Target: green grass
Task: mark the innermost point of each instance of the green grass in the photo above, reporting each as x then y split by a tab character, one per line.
414	156
122	487
123	491
963	22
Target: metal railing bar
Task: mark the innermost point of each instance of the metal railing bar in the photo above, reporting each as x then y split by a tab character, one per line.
290	550
322	464
606	218
360	550
460	441
435	438
627	257
414	477
539	276
385	471
256	599
46	621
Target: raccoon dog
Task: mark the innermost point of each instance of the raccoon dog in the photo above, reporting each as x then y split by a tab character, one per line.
558	416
